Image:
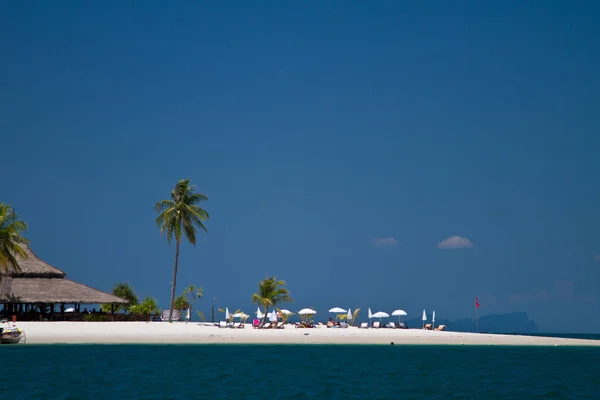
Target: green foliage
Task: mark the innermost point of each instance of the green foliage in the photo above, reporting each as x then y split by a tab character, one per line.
146	307
285	317
181	303
125	291
11	239
192	293
271	292
181	213
95	317
201	315
354	316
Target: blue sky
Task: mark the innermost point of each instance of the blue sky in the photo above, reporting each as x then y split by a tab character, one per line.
338	145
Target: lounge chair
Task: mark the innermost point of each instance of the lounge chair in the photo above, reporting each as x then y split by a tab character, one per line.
364	325
343	325
402	325
376	324
223	324
427	327
279	325
392	325
440	328
267	325
236	325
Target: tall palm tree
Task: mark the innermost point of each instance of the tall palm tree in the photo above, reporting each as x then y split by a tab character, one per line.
11	239
181	213
271	292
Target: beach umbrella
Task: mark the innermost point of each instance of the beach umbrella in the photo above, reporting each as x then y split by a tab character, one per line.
370	315
399	313
286	312
381	314
259	313
187	315
433	320
306	311
337	310
226	314
424	318
349	316
273	317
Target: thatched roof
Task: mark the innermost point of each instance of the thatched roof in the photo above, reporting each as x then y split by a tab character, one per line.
51	290
40	282
33	267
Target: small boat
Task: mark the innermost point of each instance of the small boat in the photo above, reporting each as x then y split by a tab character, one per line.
11	335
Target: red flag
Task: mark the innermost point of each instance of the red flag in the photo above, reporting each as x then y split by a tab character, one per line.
476	302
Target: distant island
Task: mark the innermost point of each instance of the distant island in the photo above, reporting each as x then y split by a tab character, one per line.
517	322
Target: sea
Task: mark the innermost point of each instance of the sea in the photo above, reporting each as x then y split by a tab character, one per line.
227	371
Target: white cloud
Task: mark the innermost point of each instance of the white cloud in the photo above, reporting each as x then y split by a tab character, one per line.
455	242
384	242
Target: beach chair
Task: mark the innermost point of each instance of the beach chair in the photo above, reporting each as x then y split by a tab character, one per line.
376	324
392	325
440	328
279	325
267	325
235	325
222	324
364	325
402	325
343	325
427	327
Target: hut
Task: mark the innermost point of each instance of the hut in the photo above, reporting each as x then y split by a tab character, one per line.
38	288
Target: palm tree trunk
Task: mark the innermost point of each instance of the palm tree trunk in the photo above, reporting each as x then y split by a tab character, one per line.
266	312
174	282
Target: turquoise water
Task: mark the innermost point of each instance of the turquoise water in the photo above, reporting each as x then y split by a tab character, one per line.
297	372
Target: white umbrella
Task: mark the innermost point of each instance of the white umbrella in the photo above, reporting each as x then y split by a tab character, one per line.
337	310
259	314
349	315
370	315
399	313
273	317
433	320
381	314
424	318
306	312
286	312
226	314
187	315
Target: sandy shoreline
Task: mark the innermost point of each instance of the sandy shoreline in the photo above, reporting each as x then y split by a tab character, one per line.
165	333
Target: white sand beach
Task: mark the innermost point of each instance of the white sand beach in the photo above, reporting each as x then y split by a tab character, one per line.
193	332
